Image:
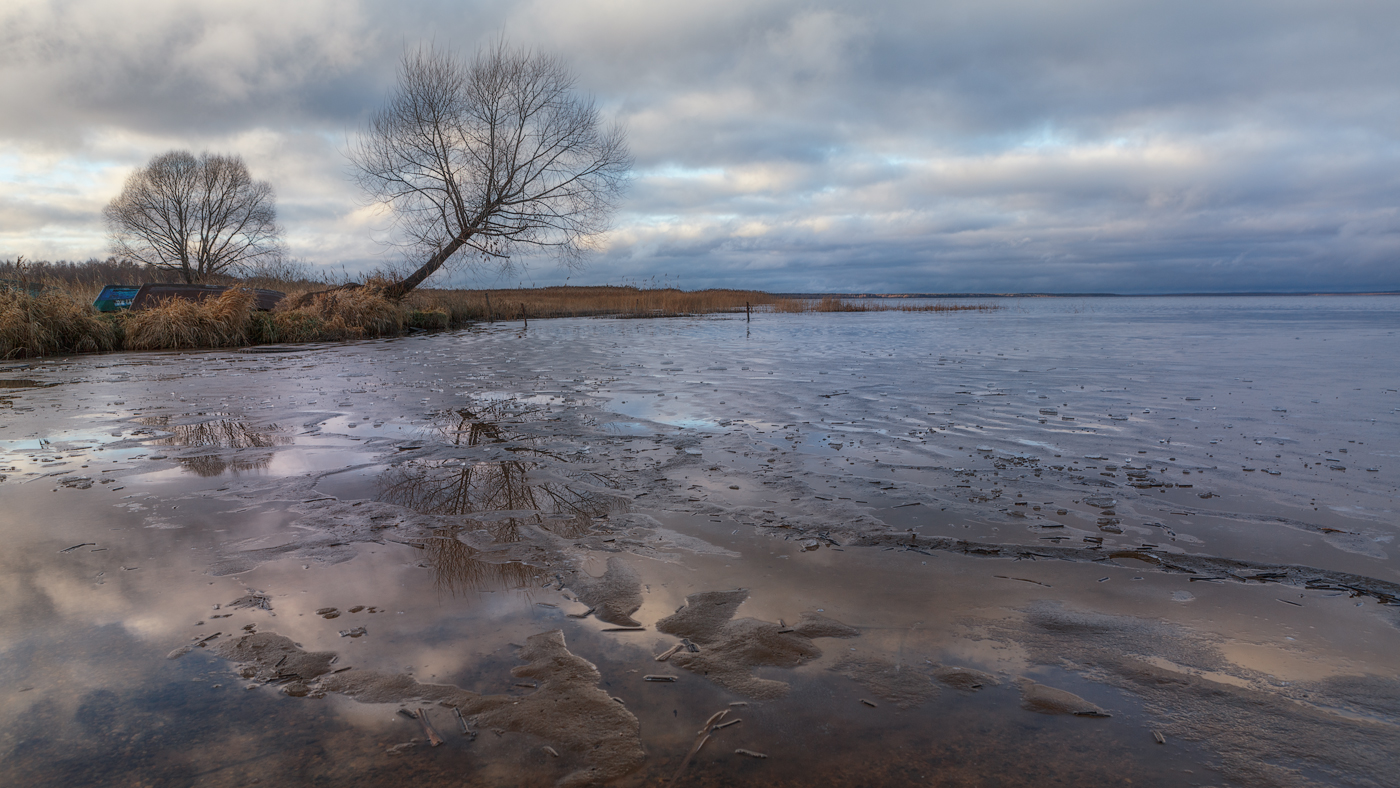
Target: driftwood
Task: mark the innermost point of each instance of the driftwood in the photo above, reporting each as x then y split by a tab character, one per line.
462	723
699	742
433	738
711	725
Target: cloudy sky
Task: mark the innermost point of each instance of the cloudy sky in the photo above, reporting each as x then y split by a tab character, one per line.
923	146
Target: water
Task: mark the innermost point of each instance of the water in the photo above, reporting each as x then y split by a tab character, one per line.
1027	492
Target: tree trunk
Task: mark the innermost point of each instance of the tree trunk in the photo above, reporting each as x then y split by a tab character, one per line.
402	288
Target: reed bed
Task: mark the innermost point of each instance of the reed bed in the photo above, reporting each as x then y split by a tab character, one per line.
621	301
177	324
57	318
338	314
838	304
51	322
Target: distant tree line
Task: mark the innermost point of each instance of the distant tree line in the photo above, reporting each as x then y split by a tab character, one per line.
112	271
119	271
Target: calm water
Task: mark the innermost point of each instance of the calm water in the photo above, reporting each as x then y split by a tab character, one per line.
1180	510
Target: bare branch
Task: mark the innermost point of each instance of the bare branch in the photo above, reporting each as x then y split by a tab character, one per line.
197	216
490	156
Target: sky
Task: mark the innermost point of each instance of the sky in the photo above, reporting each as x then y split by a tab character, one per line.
923	146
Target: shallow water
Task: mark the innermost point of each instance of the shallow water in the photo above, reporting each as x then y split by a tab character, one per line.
1180	510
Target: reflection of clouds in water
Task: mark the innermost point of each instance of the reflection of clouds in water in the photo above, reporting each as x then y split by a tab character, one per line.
112	705
46	591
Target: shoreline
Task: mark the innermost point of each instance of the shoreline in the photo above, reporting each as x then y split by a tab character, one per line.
57	320
1223	294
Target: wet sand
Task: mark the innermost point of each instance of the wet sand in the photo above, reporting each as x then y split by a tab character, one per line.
1024	548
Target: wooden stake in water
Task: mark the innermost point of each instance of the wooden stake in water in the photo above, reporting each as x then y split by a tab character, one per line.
489	316
748	313
524	315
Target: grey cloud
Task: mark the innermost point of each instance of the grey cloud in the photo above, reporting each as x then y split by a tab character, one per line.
966	145
24	216
160	66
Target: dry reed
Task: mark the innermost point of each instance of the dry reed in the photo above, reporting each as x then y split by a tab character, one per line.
838	304
565	301
58	319
50	323
339	314
178	324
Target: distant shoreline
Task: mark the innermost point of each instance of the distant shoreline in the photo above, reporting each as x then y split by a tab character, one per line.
1079	295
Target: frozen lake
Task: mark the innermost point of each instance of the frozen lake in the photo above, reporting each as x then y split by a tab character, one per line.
1070	541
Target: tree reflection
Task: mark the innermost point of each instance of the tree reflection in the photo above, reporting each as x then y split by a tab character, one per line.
208	465
490	421
461	488
222	434
502	495
218	434
458	568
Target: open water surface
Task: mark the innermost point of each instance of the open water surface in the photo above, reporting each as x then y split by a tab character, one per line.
878	539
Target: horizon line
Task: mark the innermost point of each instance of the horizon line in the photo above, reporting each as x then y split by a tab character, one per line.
1089	295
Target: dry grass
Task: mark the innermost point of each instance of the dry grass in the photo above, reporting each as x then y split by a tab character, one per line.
177	324
81	292
50	323
60	320
837	304
349	313
472	305
229	320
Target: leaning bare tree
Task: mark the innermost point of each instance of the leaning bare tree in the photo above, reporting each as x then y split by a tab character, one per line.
197	216
490	157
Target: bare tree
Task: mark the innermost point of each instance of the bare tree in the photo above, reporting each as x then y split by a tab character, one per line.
196	216
490	157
